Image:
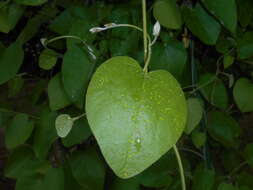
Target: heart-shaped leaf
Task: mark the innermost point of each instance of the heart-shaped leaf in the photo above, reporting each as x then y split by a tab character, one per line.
243	94
168	14
136	117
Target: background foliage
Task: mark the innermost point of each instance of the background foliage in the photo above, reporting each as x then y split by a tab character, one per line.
207	45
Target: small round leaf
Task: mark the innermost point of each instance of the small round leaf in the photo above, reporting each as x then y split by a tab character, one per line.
63	124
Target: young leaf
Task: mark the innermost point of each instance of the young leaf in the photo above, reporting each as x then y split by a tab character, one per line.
126	108
168	14
63	125
225	11
58	98
88	169
47	59
10	61
76	71
195	111
201	24
243	94
18	131
228	60
223	128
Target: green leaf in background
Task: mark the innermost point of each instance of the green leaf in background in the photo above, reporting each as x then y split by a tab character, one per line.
128	113
198	138
195	111
47	59
162	58
30	182
245	179
79	133
157	174
76	71
9	16
14	86
31	2
228	60
203	179
226	186
10	61
45	133
245	14
18	131
167	13
88	169
223	128
225	11
22	162
243	94
248	154
63	125
58	98
18	161
214	90
245	46
201	24
54	179
125	184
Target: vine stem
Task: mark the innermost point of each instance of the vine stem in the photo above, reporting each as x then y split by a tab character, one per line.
181	169
144	18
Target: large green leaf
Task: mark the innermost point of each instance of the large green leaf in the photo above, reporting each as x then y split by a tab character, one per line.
201	24
243	94
168	14
9	16
88	169
10	61
162	58
30	182
136	117
31	2
54	179
225	11
76	70
18	131
223	128
58	98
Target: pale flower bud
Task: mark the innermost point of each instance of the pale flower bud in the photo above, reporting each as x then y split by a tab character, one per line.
156	29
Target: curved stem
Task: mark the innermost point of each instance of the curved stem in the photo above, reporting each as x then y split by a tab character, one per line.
45	42
78	117
144	18
181	169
